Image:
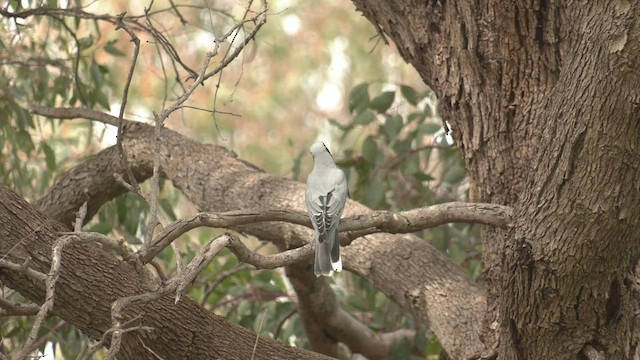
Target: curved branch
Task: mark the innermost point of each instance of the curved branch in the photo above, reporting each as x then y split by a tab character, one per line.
76	113
372	222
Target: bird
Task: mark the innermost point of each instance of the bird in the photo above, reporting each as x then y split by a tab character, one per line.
325	196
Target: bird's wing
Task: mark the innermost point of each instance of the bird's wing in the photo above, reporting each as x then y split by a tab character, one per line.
325	205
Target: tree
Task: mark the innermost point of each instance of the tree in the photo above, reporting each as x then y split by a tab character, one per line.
543	102
537	94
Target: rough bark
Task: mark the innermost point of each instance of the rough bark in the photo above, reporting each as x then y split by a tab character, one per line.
215	180
91	279
544	103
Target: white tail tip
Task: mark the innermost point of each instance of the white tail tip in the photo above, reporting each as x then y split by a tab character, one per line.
337	266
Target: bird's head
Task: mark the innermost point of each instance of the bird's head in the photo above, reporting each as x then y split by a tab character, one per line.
318	148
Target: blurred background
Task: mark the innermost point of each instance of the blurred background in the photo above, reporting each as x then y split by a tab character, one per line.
316	70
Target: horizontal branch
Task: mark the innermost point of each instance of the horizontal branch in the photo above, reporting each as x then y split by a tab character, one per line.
8	308
75	113
357	226
23	269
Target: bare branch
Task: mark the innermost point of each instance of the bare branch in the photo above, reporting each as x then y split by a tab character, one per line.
125	96
47	306
98	344
259	20
260	261
377	221
76	113
153	201
118	246
176	284
82	213
7	308
212	286
23	269
255	345
426	217
204	257
46	337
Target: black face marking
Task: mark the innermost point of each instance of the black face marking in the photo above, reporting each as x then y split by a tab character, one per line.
325	147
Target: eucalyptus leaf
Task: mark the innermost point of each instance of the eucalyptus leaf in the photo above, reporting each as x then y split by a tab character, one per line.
383	102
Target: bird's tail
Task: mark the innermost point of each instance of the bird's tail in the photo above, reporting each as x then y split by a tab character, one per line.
328	254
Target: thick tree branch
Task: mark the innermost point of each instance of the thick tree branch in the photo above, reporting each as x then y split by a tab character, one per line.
96	279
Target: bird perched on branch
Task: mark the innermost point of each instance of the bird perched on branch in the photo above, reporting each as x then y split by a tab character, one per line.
326	193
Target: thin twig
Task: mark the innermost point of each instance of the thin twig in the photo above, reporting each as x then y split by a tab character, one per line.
82	213
18	243
98	344
149	349
47	306
7	308
76	113
22	269
44	339
255	345
176	284
212	286
116	245
155	187
199	262
291	312
125	96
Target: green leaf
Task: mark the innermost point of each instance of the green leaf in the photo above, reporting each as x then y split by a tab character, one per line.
419	117
102	99
49	156
420	176
364	118
401	350
375	193
96	75
168	208
410	94
369	149
434	347
85	42
359	97
335	123
23	139
430	128
102	228
111	49
421	341
383	101
23	116
393	125
61	85
427	110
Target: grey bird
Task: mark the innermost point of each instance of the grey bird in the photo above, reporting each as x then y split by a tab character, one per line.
325	196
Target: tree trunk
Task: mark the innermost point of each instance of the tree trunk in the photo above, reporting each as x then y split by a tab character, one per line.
544	102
